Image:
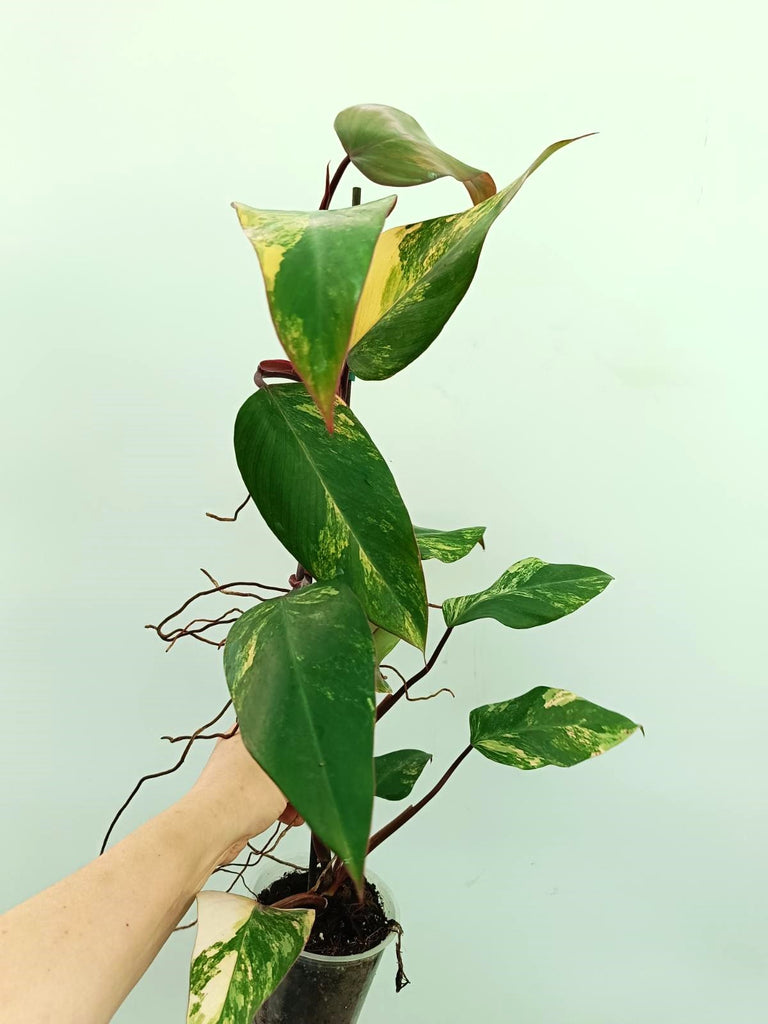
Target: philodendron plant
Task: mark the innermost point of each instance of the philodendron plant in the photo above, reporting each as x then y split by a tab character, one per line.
348	300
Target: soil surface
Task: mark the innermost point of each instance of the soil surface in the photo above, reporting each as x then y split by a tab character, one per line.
346	926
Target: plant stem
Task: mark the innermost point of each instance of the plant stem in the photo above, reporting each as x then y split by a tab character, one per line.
387	830
334	184
392	699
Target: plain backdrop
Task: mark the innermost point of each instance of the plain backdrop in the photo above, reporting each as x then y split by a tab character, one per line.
598	398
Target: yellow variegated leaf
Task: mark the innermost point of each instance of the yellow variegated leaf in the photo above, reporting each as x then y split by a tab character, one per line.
418	276
314	265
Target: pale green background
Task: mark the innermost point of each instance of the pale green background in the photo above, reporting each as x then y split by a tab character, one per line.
598	398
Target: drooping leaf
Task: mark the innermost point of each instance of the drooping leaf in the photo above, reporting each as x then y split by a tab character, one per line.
529	593
242	953
389	147
332	501
397	773
448	545
300	670
419	274
546	727
314	265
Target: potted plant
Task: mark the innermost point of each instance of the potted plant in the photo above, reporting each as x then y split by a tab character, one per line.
306	665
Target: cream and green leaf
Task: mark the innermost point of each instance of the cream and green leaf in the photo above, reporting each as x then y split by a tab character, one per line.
391	148
530	593
242	952
419	274
546	727
398	772
314	265
448	545
300	669
332	501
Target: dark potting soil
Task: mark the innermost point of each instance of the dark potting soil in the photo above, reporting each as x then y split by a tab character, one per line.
346	926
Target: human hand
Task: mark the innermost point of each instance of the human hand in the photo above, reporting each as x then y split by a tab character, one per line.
241	795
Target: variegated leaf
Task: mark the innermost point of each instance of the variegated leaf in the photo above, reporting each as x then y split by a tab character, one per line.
300	669
529	593
242	953
391	148
398	772
546	727
314	265
333	502
448	545
418	276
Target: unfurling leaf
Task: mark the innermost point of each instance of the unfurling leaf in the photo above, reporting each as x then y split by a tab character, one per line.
242	953
530	593
300	670
389	147
333	502
419	274
397	773
314	265
448	545
546	727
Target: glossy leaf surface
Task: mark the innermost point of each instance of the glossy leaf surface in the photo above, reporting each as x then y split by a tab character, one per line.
448	545
332	501
242	953
546	727
389	147
314	265
418	276
398	772
530	593
300	670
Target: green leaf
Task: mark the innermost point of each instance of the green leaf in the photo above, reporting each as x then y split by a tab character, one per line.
391	148
546	727
380	683
314	265
419	274
332	501
448	545
242	953
383	643
529	593
300	670
398	772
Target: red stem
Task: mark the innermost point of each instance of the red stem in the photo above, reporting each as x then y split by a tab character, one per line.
387	830
393	698
334	184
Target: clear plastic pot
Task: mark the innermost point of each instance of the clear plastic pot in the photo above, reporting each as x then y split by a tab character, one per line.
326	989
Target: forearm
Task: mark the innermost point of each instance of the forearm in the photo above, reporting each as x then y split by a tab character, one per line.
71	954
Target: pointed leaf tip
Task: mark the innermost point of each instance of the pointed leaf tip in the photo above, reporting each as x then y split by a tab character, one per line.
419	275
